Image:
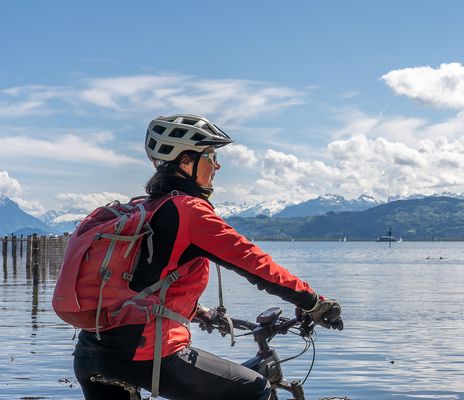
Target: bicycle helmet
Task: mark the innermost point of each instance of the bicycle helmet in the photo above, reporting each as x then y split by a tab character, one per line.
167	137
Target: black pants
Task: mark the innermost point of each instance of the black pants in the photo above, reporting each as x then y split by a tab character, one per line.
190	374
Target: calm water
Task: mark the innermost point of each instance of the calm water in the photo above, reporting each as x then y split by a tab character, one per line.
403	310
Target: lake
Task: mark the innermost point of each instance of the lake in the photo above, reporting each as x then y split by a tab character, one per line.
402	306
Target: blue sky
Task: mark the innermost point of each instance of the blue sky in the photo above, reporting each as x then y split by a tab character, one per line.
343	97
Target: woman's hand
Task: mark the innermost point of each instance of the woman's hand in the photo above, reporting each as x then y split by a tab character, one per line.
326	313
205	316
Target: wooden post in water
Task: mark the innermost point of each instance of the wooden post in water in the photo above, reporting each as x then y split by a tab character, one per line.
4	246
28	257
21	246
35	254
43	257
5	256
13	240
53	253
14	254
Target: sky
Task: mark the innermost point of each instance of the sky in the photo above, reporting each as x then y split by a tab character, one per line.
350	98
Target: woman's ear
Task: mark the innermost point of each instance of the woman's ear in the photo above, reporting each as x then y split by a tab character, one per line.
186	165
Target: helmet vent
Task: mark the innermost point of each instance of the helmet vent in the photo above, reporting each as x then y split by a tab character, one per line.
159	129
152	144
178	133
207	128
198	137
189	122
165	149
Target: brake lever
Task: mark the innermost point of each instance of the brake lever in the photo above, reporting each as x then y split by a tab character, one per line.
225	320
306	329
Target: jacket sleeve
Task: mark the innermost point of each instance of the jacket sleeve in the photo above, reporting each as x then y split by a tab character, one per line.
224	245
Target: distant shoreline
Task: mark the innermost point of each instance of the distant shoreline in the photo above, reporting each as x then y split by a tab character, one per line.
353	240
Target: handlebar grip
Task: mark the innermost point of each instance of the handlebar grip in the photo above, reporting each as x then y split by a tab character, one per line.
333	314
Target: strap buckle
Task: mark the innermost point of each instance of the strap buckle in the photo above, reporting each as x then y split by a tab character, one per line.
105	274
159	310
173	276
127	276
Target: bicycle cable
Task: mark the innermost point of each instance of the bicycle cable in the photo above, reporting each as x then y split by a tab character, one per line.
310	341
296	356
314	358
244	334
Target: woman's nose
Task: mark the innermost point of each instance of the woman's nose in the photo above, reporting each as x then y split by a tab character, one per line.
217	166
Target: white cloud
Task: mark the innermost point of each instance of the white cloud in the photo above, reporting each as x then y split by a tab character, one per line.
9	187
65	148
407	130
225	99
349	95
240	155
440	87
361	165
31	100
31	207
88	201
222	99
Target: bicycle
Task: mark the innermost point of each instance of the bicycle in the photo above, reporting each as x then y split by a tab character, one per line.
266	361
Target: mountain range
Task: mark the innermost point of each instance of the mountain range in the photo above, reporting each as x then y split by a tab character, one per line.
326	217
13	219
329	202
63	221
282	209
428	218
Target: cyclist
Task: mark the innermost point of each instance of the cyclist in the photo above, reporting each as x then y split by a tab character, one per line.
187	235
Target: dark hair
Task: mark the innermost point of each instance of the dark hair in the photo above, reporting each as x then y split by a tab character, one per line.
161	183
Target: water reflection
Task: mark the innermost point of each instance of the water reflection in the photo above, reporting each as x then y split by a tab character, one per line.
403	311
34	356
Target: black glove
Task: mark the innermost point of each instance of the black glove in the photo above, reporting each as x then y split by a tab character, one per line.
325	313
205	316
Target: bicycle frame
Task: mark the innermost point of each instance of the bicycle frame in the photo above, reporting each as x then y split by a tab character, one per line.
267	362
268	366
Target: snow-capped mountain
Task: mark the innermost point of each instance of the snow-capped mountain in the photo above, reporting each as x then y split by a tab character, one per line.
13	219
416	196
227	209
284	209
267	207
328	202
63	221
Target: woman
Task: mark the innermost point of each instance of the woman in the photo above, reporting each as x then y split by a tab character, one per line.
187	234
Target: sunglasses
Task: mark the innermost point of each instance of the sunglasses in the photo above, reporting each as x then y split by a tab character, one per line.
212	157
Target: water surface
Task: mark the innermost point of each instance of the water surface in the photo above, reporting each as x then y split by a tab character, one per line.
403	311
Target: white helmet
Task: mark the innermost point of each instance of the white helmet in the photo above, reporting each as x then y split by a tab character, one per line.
167	137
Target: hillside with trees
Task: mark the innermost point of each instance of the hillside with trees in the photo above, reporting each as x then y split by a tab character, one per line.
430	218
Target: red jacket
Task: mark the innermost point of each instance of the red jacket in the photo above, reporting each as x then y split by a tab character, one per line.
187	234
201	228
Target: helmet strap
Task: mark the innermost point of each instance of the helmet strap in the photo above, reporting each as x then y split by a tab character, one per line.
207	192
184	174
195	167
194	175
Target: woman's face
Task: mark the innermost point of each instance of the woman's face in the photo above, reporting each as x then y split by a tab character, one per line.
207	167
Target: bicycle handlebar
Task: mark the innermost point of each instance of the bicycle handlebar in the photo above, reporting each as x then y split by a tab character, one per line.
270	324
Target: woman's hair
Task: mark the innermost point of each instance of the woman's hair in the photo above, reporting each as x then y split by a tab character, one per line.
159	183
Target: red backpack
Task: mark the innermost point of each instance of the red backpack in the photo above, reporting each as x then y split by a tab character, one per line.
92	291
